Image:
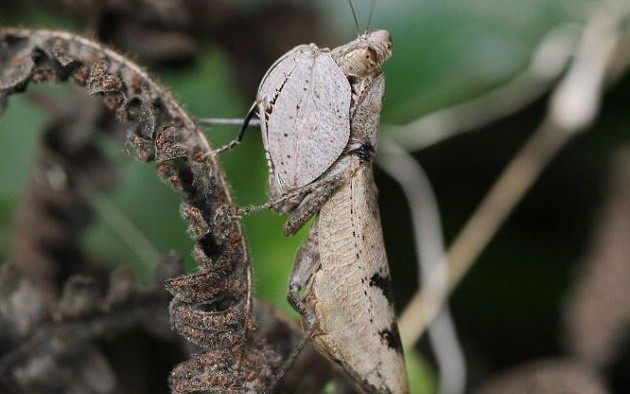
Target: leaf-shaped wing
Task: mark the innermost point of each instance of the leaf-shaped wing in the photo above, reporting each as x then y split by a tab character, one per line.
305	107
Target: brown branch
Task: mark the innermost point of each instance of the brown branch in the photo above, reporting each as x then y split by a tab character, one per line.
597	314
548	376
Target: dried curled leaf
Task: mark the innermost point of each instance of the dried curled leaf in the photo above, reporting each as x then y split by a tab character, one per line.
212	308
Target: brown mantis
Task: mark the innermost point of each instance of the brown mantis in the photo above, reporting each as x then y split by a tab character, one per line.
343	267
319	112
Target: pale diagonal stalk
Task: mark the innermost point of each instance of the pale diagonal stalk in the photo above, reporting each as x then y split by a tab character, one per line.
573	107
547	63
429	242
126	230
123	227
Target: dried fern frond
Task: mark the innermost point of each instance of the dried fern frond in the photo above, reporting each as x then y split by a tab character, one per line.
213	307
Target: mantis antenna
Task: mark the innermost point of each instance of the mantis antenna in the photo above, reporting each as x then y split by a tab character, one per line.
372	6
354	15
356	20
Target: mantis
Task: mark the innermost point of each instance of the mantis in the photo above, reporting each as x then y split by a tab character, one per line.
319	112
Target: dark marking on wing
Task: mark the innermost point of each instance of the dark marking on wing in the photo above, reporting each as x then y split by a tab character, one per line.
383	283
391	337
383	390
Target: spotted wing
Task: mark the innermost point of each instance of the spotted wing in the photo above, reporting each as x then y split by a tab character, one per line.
306	121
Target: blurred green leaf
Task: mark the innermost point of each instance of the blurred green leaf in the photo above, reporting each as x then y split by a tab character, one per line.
421	376
447	51
19	126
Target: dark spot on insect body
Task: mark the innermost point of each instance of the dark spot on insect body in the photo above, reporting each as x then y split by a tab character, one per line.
383	283
286	135
365	151
374	389
391	337
288	156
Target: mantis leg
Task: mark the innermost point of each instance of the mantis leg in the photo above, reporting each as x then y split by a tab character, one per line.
306	264
241	132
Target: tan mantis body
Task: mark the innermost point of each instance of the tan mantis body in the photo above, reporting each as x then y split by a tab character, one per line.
349	293
319	112
343	270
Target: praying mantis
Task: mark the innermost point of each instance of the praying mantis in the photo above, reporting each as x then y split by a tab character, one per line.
319	113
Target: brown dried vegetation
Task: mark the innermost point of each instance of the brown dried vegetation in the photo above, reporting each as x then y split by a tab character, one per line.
211	308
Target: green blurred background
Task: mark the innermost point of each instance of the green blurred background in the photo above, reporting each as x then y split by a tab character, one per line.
445	52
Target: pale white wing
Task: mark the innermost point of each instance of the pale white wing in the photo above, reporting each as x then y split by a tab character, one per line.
308	124
272	84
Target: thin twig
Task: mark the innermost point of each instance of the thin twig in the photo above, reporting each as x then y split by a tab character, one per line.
125	229
573	107
431	255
